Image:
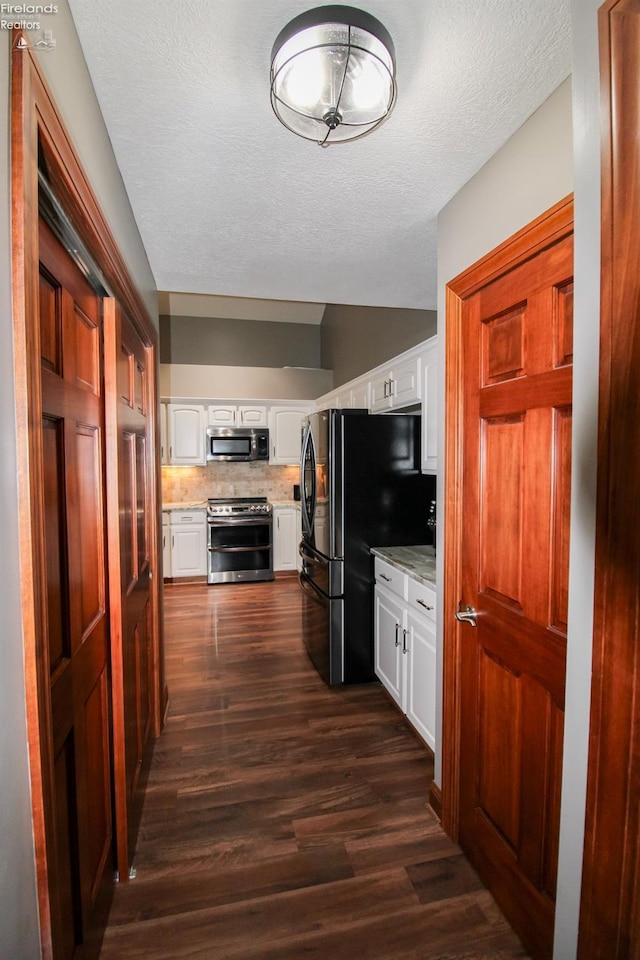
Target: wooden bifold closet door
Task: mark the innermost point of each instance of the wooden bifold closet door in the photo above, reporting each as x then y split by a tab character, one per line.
74	639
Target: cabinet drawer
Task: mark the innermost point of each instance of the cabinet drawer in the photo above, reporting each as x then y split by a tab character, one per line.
181	518
422	598
391	578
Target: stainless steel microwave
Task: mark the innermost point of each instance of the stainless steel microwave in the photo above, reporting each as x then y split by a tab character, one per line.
237	443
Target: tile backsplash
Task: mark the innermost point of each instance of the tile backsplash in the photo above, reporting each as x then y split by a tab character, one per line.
189	484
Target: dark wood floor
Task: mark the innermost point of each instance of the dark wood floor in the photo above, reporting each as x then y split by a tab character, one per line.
283	819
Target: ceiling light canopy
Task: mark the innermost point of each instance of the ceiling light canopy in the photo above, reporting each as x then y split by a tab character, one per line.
333	74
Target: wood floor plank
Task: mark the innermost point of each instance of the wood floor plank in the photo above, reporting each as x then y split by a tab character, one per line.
284	819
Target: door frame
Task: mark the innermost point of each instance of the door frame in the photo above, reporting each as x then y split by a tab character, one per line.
33	116
550	227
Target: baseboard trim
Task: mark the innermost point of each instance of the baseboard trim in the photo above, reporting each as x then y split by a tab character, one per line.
435	799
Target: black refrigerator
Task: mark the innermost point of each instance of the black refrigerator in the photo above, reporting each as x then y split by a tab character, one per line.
360	486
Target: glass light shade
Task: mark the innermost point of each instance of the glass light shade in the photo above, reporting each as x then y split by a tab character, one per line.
332	74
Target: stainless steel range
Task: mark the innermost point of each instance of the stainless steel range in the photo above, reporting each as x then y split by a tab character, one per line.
240	539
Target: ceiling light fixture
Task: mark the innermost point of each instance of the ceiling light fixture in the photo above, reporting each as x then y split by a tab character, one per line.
333	74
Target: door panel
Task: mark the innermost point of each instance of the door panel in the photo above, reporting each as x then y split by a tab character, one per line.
75	638
516	449
130	495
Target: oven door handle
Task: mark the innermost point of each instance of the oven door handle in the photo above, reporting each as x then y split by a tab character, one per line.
239	549
239	521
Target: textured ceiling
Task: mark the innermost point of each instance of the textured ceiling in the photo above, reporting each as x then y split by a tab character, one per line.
229	202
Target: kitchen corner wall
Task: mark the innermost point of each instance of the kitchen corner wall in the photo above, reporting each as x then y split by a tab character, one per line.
190	484
356	339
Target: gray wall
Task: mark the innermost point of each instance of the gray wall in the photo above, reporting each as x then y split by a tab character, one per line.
531	172
356	339
199	382
586	125
19	937
67	75
239	343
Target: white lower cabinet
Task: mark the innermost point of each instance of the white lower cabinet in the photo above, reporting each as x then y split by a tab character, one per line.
298	537
389	622
285	539
166	544
188	543
420	686
405	649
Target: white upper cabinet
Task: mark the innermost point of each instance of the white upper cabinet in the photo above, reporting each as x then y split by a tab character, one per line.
225	415
359	395
409	382
396	386
430	411
164	434
285	433
186	434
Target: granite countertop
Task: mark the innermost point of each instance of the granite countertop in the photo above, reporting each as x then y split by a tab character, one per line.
185	505
418	562
285	503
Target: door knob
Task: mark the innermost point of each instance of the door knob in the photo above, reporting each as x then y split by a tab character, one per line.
467	616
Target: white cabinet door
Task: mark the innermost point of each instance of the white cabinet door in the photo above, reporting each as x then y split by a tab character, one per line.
222	416
389	623
420	671
285	429
284	538
380	392
166	545
252	416
186	434
430	412
231	415
359	396
298	538
188	550
164	435
405	386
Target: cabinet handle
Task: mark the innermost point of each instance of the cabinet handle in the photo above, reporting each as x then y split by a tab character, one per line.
170	453
397	628
173	541
388	579
423	604
164	540
391	383
404	641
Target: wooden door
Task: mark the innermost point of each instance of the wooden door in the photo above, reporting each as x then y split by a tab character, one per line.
515	341
610	908
130	516
74	638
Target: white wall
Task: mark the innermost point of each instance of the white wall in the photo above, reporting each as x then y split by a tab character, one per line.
19	938
531	172
68	78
